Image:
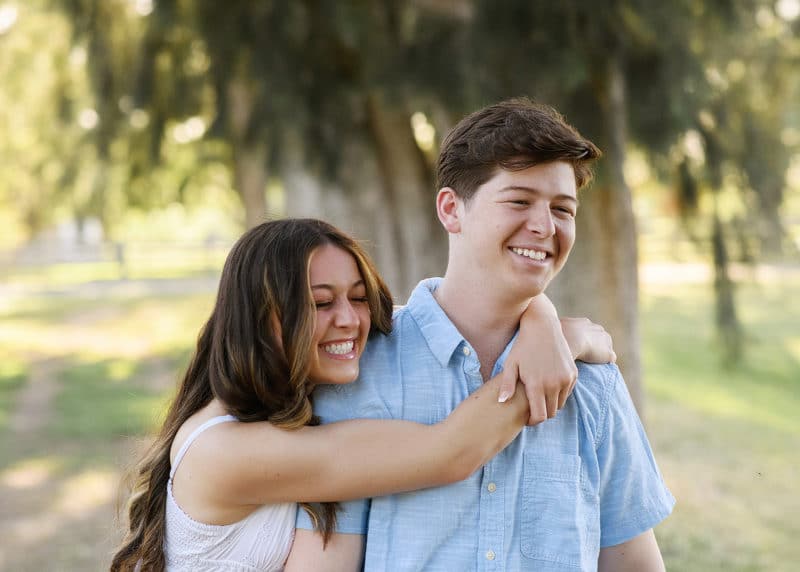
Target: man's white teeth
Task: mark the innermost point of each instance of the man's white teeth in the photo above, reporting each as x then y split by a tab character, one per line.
340	348
532	254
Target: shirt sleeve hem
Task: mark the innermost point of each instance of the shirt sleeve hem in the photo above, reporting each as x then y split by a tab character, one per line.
634	529
343	525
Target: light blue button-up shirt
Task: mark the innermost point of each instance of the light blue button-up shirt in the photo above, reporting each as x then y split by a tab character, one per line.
548	502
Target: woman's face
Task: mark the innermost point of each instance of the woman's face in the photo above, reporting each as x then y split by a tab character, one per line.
343	319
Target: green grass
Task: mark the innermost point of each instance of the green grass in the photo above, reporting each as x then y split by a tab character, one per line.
726	435
107	399
142	261
13	374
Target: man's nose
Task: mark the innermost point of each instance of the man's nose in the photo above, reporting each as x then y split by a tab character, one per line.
540	221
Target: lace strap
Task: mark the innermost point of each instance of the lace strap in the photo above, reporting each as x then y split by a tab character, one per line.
194	435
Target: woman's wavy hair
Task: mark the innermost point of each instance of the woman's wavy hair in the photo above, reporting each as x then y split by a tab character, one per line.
257	370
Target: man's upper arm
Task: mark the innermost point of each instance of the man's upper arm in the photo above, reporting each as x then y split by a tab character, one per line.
633	495
343	553
639	554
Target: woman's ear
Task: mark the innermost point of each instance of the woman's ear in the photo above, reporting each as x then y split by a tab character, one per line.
448	208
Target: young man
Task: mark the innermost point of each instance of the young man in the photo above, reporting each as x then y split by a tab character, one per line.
580	491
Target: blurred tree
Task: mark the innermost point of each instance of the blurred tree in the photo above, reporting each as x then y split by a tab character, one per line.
745	118
150	100
758	116
628	71
41	141
339	100
299	90
598	63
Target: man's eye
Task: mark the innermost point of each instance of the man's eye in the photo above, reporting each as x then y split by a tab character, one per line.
565	210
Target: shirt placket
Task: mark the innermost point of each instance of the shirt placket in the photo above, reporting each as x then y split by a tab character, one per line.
491	518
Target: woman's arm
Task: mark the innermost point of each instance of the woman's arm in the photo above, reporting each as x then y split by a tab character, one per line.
256	463
543	357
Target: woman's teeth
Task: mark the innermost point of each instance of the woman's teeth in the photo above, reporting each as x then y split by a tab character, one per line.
339	348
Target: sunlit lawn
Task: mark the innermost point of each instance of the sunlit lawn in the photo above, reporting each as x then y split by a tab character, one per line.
82	379
727	438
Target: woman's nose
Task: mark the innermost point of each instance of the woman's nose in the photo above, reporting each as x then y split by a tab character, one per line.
346	315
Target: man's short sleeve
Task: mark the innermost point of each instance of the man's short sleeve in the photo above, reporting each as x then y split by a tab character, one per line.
337	403
633	495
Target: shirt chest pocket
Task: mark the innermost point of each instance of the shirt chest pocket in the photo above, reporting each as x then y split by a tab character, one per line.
559	516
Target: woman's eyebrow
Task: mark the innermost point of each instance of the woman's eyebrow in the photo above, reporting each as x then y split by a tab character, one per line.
359	282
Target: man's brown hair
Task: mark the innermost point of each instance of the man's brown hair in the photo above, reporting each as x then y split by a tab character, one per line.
513	135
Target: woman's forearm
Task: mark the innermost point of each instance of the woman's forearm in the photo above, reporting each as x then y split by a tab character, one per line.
363	458
480	427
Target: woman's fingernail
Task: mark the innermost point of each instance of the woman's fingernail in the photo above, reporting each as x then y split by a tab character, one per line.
504	396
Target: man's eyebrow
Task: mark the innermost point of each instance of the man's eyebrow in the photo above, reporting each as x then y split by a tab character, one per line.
538	192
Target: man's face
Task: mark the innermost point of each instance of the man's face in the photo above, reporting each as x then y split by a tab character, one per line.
519	228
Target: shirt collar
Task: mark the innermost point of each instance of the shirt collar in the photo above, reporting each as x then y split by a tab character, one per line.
441	335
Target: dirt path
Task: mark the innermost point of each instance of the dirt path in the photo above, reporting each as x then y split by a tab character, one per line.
55	515
58	493
34	402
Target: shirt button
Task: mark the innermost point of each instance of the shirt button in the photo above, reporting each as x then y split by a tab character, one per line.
490	555
491	487
465	349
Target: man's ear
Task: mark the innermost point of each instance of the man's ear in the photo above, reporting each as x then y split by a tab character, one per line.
447	208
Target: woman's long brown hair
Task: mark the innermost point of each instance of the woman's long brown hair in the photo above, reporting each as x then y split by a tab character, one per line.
241	361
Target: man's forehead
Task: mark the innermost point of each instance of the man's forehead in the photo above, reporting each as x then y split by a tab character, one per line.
555	177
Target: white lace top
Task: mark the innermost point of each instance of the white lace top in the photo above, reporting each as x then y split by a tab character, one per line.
260	541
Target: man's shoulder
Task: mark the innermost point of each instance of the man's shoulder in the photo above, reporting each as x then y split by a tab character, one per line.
403	327
597	379
594	392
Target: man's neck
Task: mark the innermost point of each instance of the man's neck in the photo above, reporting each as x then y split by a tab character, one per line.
487	322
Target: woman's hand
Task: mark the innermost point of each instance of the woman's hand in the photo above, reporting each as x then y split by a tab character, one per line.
542	360
588	341
544	354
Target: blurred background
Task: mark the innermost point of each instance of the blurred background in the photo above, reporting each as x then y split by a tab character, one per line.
139	138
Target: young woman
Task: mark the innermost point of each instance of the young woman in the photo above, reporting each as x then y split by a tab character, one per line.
240	446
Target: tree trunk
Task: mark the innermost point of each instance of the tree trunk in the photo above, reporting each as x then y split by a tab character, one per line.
354	203
770	226
250	154
601	279
728	327
408	192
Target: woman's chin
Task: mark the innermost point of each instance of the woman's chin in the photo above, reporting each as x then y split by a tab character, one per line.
336	378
